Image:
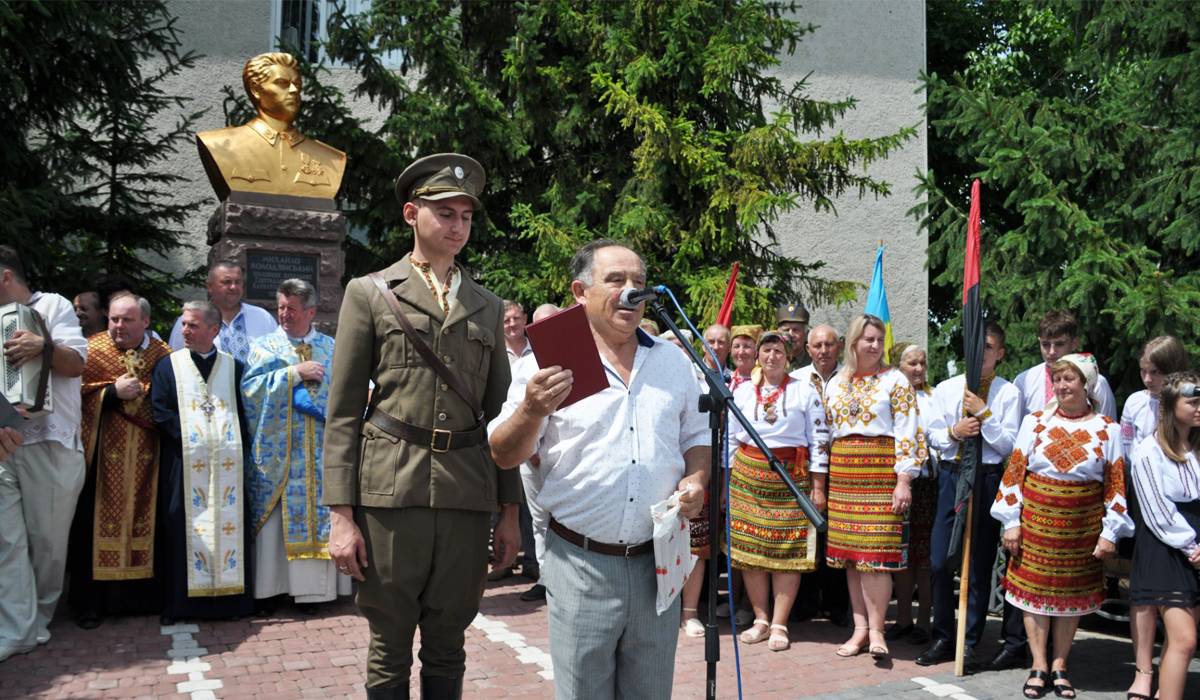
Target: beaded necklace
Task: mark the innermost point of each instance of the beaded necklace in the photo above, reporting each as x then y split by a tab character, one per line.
768	402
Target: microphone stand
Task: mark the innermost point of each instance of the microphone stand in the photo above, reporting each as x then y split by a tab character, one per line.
717	403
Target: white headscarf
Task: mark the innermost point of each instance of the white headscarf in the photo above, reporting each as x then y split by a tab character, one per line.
1085	362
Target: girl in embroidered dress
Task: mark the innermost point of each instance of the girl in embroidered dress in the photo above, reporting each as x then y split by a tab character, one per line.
878	449
1062	506
911	360
770	539
1166	478
1160	357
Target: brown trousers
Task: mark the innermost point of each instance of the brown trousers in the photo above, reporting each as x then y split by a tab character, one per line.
427	568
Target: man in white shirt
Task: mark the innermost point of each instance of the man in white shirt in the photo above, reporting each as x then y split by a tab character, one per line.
605	460
1058	336
515	341
824	591
241	323
40	481
958	414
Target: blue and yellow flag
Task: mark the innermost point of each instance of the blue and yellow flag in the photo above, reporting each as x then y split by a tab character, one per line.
877	301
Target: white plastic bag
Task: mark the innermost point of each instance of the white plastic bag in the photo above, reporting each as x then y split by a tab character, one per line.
673	558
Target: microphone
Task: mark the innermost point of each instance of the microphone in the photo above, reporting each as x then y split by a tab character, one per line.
630	298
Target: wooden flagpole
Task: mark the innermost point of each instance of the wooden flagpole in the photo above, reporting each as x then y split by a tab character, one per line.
964	593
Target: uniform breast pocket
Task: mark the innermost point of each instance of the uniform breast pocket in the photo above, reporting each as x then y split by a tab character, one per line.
380	457
397	349
478	353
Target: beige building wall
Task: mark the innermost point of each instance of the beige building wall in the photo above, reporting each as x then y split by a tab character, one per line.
873	50
870	49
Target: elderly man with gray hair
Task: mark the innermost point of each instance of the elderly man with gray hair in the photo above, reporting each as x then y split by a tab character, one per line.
286	391
196	399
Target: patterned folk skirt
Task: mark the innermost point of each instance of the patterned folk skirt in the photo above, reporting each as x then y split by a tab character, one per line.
1055	573
864	533
768	531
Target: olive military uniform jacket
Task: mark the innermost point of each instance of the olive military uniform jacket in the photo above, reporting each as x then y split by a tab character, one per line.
366	466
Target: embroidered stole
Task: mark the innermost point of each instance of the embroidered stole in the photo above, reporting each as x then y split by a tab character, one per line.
212	476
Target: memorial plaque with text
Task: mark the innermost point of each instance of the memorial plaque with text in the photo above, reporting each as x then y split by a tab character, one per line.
265	271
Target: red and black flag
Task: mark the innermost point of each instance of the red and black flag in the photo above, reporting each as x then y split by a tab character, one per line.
973	345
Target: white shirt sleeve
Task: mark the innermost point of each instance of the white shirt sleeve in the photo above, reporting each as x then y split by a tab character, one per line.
1108	402
1153	474
1010	497
999	430
1116	523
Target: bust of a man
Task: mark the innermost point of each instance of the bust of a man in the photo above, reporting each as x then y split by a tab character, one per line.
267	155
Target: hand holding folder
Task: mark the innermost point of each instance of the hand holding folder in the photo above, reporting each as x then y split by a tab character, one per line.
565	339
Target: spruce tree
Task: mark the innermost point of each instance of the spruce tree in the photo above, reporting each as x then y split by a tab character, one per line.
82	143
654	122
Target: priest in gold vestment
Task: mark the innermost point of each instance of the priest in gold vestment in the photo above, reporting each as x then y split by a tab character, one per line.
111	555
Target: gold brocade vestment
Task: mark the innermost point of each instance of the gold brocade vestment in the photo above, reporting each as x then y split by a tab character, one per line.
121	443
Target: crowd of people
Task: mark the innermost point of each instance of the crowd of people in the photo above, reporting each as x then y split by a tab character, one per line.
252	459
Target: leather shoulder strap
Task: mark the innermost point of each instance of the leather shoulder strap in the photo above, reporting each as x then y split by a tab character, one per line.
452	378
43	387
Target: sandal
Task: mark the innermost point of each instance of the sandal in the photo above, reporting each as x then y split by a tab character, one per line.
847	650
1063	690
779	642
693	627
758	633
1139	696
879	652
1033	692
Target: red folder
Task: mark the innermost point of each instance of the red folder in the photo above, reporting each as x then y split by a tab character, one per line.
565	339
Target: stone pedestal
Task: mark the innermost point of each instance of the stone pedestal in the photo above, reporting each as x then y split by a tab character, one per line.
275	243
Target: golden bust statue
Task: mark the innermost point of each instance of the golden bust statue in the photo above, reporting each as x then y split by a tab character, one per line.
267	155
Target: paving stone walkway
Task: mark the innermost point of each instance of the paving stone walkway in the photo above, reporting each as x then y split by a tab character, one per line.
291	656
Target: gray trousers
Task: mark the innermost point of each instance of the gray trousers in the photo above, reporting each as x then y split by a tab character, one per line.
606	641
39	486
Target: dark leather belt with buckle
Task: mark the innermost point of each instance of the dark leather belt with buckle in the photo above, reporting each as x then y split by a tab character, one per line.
436	440
614	550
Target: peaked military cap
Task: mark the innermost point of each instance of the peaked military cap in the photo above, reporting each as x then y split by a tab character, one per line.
794	313
442	176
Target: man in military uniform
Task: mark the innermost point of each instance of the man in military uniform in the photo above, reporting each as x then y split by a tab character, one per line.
412	486
792	320
267	155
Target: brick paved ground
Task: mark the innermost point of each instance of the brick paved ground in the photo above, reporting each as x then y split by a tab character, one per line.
293	656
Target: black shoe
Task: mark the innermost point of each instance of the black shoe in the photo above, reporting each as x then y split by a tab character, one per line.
391	692
533	573
435	688
89	620
939	652
1007	658
536	592
898	631
307	608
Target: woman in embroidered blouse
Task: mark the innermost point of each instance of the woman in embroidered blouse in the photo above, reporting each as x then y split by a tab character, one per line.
1160	357
1166	478
770	539
1062	506
877	450
911	360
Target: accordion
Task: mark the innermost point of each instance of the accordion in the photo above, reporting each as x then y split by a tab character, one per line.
27	386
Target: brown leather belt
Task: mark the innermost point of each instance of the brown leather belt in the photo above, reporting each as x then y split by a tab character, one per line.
436	440
614	550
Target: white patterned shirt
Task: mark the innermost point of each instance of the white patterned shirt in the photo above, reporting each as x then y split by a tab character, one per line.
61	425
998	430
1067	450
799	421
606	459
877	405
235	337
1160	483
1139	419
